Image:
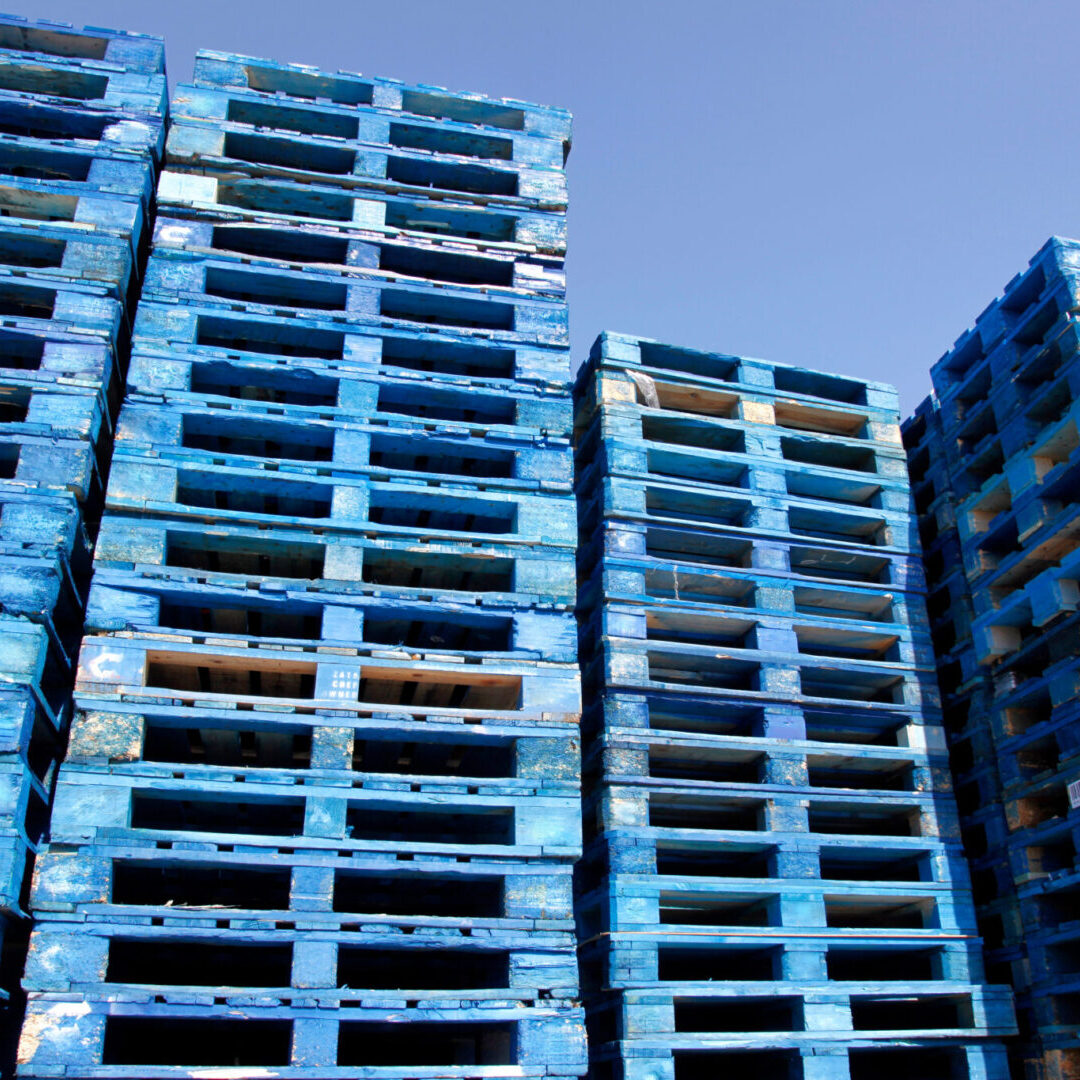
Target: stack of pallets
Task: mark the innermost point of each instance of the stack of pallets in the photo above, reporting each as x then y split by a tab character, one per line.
321	805
773	883
966	691
81	132
1002	430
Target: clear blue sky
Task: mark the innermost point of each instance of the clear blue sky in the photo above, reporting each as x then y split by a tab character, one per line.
836	184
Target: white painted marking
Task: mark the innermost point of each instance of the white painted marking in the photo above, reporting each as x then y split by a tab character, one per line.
98	666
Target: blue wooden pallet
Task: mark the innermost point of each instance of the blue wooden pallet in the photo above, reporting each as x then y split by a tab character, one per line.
71	308
773	931
801	1013
78	170
489	314
330	256
263	76
34	688
697	759
848	1056
707	547
304	678
283	367
436	816
421	399
43	523
381	447
788	584
189	609
333	563
300	1042
58	201
31	407
54	358
79	126
861	1059
38	585
135	881
46	38
528	743
665	504
379	751
265	138
441	136
31	661
336	968
1046	598
62	254
229	495
48	464
88	83
27	731
284	201
726	668
342	278
615	896
629	627
780	822
620	427
745	472
632	369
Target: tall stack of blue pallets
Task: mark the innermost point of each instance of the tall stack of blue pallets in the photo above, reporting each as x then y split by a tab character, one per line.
967	690
321	804
1003	431
773	883
81	132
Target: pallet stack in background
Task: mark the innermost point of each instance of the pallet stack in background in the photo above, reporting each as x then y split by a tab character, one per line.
996	455
82	127
967	691
321	804
773	883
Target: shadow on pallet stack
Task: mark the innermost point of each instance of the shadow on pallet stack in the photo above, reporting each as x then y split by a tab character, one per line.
1000	444
321	804
773	882
81	132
